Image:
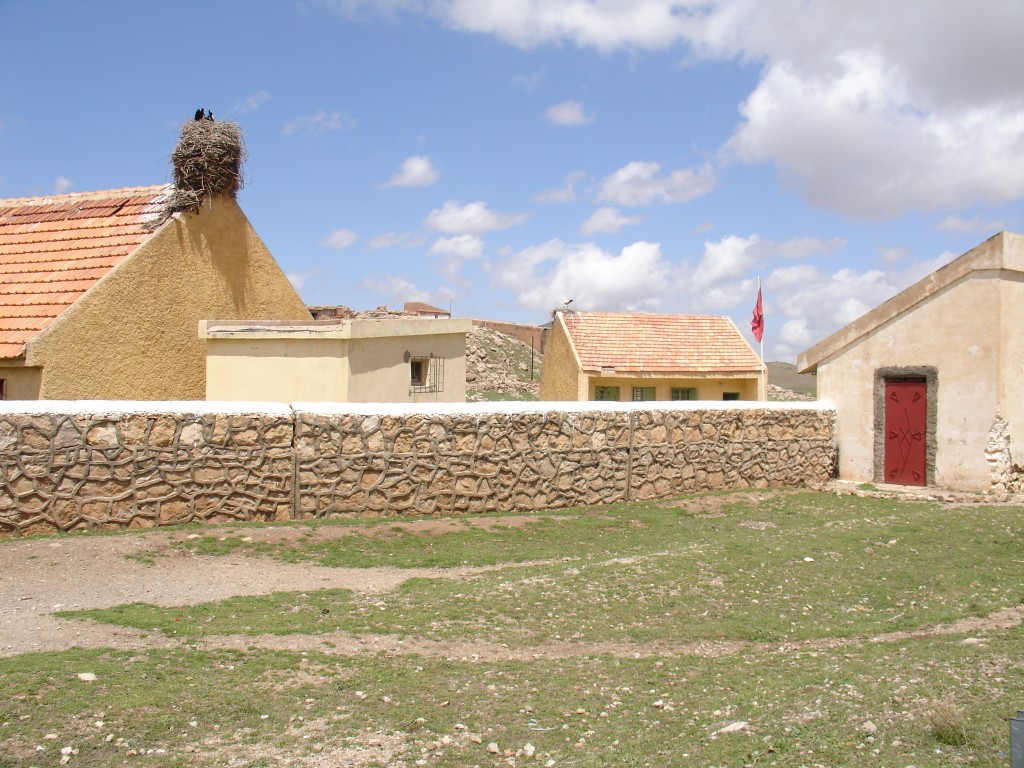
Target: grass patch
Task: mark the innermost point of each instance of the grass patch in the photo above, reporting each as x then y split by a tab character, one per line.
788	568
792	590
797	708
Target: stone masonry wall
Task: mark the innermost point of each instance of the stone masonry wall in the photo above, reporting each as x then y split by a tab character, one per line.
143	466
472	462
65	470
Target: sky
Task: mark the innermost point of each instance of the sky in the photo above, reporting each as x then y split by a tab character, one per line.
500	157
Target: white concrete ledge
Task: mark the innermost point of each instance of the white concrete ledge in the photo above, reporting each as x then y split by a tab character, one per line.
208	407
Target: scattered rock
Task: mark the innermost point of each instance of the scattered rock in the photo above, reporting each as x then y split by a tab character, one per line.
739	725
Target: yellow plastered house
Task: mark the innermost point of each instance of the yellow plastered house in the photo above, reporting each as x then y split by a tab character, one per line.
101	293
628	356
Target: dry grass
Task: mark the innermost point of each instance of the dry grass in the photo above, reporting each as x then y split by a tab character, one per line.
947	722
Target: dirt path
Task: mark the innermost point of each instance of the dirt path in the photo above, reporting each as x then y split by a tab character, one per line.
42	576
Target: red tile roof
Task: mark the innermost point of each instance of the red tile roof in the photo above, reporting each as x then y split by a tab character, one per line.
640	343
54	249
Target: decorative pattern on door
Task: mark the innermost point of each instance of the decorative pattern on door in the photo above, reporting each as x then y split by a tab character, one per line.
906	422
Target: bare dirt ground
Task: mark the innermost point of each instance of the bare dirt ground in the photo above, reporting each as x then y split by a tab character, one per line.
44	575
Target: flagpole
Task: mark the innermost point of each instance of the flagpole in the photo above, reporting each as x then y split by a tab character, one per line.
764	367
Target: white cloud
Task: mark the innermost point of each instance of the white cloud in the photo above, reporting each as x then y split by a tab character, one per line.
961	226
806	304
62	185
462	246
723	276
531	81
600	24
802	247
319	122
252	102
894	255
795	334
340	239
855	141
871	108
299	279
564	194
728	259
544	276
401	290
454	251
471	218
396	239
568	113
642	183
416	171
608	219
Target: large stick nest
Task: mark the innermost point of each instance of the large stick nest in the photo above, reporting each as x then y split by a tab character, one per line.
207	161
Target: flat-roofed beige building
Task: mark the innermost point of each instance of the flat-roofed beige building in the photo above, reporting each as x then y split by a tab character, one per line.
927	386
407	360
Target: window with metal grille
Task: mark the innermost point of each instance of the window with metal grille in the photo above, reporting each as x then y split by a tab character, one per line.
684	393
730	395
606	393
643	393
426	374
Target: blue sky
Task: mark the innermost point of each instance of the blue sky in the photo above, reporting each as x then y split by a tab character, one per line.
502	156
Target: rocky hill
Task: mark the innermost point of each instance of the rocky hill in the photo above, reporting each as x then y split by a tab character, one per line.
499	367
784	383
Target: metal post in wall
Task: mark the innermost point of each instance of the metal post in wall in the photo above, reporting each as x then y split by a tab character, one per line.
1017	740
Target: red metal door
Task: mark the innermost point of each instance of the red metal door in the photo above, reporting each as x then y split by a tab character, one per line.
906	421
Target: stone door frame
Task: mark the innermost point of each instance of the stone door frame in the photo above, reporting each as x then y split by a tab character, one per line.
930	374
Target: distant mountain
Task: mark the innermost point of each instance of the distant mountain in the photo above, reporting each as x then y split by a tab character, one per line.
784	375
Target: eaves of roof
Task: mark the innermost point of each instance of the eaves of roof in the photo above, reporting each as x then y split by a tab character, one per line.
1003	251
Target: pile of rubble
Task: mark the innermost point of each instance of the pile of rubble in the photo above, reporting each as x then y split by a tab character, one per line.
341	312
780	394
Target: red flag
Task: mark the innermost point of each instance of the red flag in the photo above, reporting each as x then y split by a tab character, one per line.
757	324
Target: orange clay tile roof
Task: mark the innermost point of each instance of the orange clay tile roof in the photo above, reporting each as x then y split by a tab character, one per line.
54	249
640	343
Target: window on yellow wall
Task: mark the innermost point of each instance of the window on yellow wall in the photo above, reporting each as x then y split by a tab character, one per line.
3	389
730	395
606	393
426	374
418	368
643	393
684	393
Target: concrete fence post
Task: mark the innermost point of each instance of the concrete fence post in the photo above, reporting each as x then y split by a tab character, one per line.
1017	740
